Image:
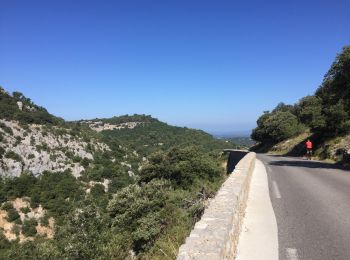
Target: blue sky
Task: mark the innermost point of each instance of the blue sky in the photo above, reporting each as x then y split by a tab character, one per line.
214	65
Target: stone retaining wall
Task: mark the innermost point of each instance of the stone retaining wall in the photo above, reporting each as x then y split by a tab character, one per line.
216	235
234	157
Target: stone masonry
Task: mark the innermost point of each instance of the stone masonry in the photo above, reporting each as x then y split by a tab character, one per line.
216	235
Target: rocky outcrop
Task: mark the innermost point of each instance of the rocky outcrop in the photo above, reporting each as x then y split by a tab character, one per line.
100	126
36	149
20	105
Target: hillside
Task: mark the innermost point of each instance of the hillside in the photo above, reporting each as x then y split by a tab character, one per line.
324	118
38	148
243	142
109	188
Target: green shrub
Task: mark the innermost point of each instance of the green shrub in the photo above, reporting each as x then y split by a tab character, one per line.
12	215
29	227
45	220
25	126
85	233
56	192
20	186
45	147
118	247
18	140
85	162
7	206
32	140
16	229
4	244
181	166
53	157
42	147
76	159
2	152
276	126
25	210
69	154
97	190
337	119
137	210
18	221
6	128
35	199
120	182
14	156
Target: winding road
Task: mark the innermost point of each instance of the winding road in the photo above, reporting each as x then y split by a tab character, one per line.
311	203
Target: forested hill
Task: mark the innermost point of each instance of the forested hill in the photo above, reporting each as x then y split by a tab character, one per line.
146	134
100	189
323	117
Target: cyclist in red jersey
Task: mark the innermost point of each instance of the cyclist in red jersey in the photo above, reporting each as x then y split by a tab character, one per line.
308	145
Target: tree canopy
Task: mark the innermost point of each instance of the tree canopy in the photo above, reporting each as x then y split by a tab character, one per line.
327	113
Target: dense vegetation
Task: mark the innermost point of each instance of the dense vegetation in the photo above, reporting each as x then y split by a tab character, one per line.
160	136
30	113
154	213
127	118
325	114
160	177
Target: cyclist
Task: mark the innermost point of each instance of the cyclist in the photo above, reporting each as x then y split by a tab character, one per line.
308	145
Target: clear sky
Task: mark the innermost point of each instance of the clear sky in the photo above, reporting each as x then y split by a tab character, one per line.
214	65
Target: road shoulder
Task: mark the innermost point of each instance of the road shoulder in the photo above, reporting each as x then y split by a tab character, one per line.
259	236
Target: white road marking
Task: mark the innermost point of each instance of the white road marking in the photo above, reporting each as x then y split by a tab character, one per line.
268	167
292	254
276	190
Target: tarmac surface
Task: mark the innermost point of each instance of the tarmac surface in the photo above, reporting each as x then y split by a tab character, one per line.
311	203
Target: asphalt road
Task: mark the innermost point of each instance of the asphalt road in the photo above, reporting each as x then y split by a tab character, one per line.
311	202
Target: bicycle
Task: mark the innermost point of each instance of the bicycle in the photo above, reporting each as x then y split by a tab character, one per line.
308	154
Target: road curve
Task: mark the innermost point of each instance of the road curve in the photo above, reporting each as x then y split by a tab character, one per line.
311	201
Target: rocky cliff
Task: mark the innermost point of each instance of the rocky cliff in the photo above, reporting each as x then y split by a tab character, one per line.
37	149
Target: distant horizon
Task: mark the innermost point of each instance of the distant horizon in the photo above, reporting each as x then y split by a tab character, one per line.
214	66
216	133
244	133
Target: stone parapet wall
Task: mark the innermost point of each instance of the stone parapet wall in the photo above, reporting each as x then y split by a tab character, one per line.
216	235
